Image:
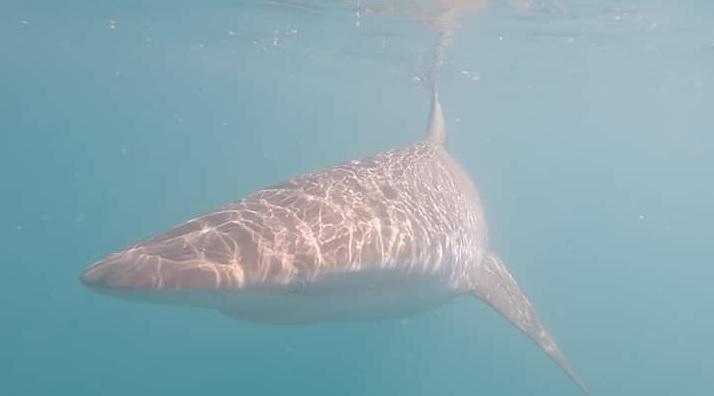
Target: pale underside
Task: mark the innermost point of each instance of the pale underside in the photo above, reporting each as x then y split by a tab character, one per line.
349	297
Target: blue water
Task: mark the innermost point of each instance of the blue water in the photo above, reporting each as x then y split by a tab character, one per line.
588	129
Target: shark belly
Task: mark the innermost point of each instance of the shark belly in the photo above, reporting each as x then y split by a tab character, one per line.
341	297
354	296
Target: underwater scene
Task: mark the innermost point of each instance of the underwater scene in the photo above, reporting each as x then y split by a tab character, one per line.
357	197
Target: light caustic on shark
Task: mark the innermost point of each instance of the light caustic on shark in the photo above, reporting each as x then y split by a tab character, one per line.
386	236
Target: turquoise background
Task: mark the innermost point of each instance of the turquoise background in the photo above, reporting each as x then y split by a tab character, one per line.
588	129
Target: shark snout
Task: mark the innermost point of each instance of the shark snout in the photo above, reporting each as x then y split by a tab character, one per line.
149	268
137	275
91	277
125	270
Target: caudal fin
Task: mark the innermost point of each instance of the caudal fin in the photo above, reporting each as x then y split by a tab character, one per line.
493	283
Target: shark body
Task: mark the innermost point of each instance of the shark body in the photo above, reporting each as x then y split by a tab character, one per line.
386	236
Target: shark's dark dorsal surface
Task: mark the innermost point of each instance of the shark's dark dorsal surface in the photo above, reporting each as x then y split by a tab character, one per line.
385	236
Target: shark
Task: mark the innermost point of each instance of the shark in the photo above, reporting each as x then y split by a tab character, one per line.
387	236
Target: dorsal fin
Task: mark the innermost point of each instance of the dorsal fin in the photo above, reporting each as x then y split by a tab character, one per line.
436	130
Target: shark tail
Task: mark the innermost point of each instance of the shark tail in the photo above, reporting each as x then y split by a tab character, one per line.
493	284
436	130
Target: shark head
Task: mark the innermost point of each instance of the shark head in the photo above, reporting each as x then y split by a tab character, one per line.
177	259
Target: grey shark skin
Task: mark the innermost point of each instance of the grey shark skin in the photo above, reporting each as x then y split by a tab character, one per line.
386	236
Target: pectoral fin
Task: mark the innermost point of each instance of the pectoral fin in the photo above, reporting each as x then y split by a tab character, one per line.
493	283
